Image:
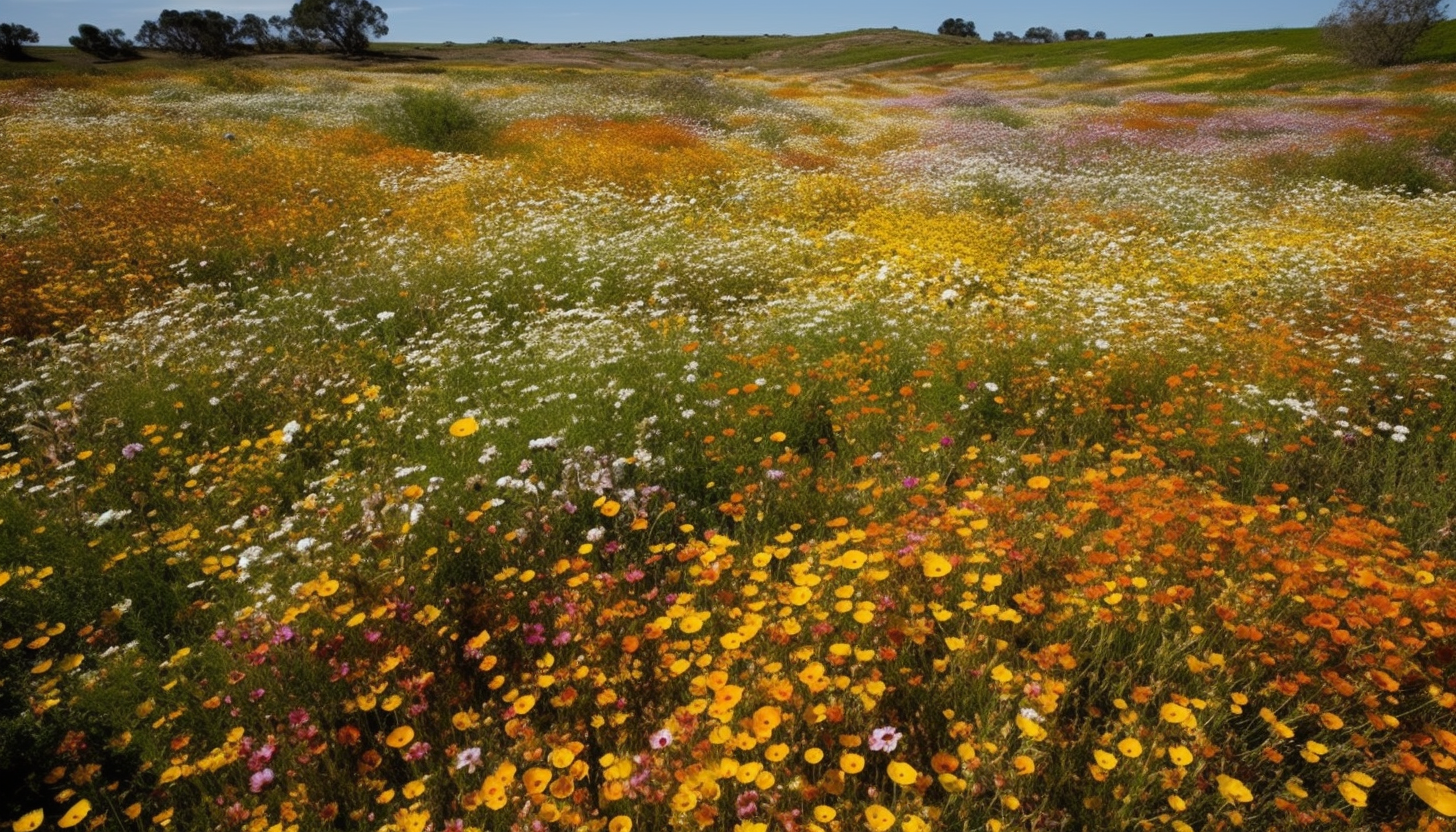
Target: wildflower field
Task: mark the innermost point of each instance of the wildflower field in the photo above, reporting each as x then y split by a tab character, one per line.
481	445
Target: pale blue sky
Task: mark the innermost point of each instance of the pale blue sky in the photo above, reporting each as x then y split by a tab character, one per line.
558	21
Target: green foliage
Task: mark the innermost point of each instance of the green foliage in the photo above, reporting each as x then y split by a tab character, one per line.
1365	163
1377	164
108	45
201	33
13	36
348	24
1380	32
433	120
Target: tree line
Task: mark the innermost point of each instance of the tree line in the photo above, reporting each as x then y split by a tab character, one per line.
1367	32
311	25
961	28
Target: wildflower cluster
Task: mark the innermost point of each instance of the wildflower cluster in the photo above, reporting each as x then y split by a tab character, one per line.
934	450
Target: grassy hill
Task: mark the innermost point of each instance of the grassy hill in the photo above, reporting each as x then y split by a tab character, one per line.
1219	61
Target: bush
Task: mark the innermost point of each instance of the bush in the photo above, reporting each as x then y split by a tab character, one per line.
1392	165
432	120
1369	164
1380	32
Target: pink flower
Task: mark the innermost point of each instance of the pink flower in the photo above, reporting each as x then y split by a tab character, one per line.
884	739
660	739
259	781
468	759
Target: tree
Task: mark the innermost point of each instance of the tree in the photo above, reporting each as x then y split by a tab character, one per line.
958	27
1005	37
108	45
348	24
13	36
203	33
1380	32
1076	34
269	35
1040	34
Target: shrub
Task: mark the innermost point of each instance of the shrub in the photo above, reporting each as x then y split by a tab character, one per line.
1371	164
1380	32
432	120
1394	165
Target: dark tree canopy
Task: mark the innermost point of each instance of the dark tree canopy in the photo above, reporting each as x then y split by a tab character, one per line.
1041	34
958	27
1380	32
1005	37
108	45
1077	34
13	37
348	24
202	32
270	35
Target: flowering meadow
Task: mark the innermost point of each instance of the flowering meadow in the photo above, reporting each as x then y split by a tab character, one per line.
618	448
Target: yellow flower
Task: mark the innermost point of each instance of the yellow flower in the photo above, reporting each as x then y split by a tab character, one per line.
1174	713
413	789
1039	483
1352	793
1130	748
620	823
464	427
30	820
813	756
1180	755
878	818
766	719
824	814
523	704
1436	795
408	820
851	763
400	737
1023	764
1233	790
535	780
934	566
610	508
1104	760
562	757
902	773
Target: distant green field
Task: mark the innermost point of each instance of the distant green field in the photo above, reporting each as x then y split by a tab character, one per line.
1215	62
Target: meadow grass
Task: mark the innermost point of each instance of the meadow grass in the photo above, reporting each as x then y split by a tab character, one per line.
1005	438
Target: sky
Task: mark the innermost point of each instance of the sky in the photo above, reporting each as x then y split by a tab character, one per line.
567	21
